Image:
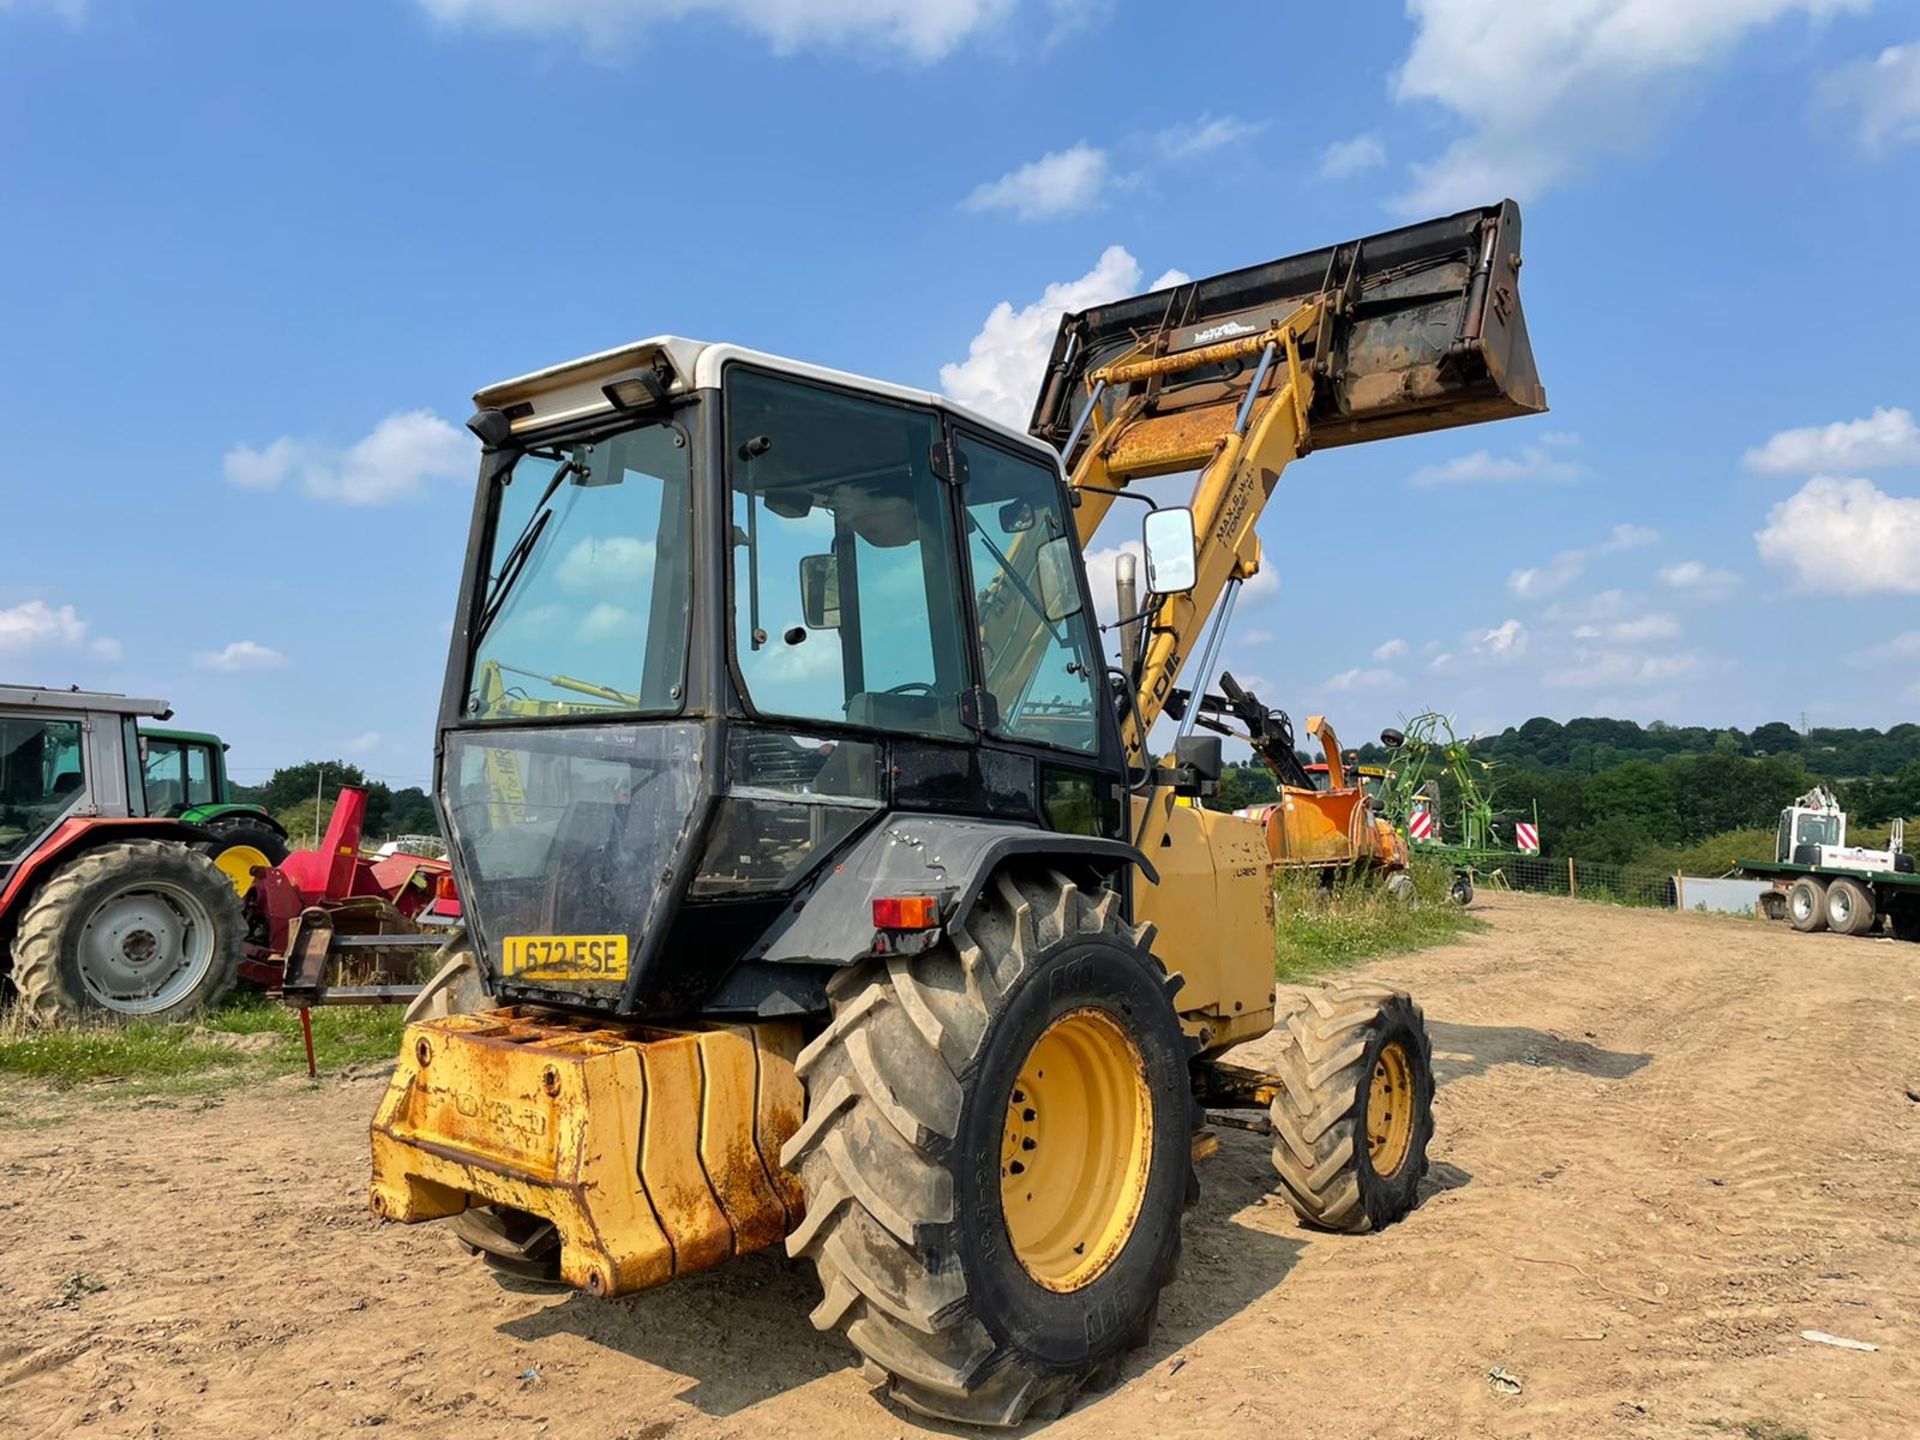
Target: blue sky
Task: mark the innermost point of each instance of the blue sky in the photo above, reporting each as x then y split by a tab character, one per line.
254	258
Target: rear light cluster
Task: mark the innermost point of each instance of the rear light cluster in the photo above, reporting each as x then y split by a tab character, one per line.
906	912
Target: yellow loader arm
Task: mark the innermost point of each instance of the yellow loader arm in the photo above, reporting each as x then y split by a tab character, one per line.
1237	375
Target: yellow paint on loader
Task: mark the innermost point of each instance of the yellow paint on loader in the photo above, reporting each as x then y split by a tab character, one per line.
654	1152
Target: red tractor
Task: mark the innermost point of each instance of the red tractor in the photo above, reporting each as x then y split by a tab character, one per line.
107	906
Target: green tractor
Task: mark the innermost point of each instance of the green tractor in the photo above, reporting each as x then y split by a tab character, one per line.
123	859
184	773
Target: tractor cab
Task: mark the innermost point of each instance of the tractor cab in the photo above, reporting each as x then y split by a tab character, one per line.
1809	827
723	614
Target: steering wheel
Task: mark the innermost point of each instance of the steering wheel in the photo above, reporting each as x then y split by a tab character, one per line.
911	687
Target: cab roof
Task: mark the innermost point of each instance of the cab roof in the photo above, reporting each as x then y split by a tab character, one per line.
39	697
578	389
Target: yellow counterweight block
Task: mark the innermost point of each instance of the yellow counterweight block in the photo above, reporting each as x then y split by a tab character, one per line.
654	1152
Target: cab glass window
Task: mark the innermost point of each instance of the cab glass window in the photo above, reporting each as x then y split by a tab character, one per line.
41	776
1041	667
845	598
165	775
199	775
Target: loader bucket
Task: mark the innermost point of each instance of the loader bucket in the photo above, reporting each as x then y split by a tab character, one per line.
1425	333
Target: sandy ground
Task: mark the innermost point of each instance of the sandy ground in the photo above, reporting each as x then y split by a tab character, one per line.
1667	1145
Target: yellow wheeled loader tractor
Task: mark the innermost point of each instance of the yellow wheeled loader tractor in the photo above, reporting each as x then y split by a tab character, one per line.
813	854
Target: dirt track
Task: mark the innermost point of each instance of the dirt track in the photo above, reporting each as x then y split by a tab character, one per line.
1666	1146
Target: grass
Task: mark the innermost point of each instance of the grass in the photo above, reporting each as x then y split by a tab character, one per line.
249	1038
1317	929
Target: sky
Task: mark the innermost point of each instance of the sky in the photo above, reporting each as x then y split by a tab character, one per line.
254	259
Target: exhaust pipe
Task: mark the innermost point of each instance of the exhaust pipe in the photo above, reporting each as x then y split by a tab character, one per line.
1126	586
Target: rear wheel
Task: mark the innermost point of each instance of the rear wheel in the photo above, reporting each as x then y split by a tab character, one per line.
997	1152
242	844
1400	887
1807	905
1850	908
1354	1114
140	929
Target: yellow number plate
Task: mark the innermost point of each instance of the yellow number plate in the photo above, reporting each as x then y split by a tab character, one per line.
566	957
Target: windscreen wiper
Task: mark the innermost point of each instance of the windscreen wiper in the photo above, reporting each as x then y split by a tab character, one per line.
516	558
1020	586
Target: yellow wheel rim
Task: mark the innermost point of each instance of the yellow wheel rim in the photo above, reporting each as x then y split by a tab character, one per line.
1390	1106
237	863
1076	1149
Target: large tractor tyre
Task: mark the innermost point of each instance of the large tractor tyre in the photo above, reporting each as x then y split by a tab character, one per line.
1807	906
1354	1113
996	1154
1401	889
240	844
138	930
457	986
1850	908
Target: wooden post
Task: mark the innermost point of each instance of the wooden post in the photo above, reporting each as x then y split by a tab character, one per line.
1680	893
1573	887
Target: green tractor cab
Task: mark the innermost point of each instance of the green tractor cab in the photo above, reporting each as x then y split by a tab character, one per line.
184	775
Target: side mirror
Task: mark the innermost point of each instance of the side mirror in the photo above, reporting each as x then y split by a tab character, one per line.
1059	591
1016	516
820	591
1167	538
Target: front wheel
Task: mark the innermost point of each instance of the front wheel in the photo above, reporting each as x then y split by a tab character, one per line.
1354	1113
997	1153
139	929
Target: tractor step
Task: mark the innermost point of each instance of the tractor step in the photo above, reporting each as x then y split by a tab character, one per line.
653	1152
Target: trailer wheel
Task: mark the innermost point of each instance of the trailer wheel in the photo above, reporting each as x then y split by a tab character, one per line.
997	1152
1807	905
1401	889
1850	908
1352	1121
139	929
1460	892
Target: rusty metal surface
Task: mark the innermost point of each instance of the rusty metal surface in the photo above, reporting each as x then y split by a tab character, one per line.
1425	331
646	1147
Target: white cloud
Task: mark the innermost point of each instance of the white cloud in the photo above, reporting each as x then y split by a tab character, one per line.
1061	182
1344	158
1631	632
1545	88
1629	537
1197	137
1566	567
1848	537
1548	579
1885	438
1905	646
599	564
1533	463
1881	96
607	622
34	625
396	461
1001	375
241	655
1505	641
72	11
1390	650
1697	578
365	743
922	30
1441	661
1594	668
1348	681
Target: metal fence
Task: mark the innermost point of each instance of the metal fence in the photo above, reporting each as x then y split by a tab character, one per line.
1582	880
